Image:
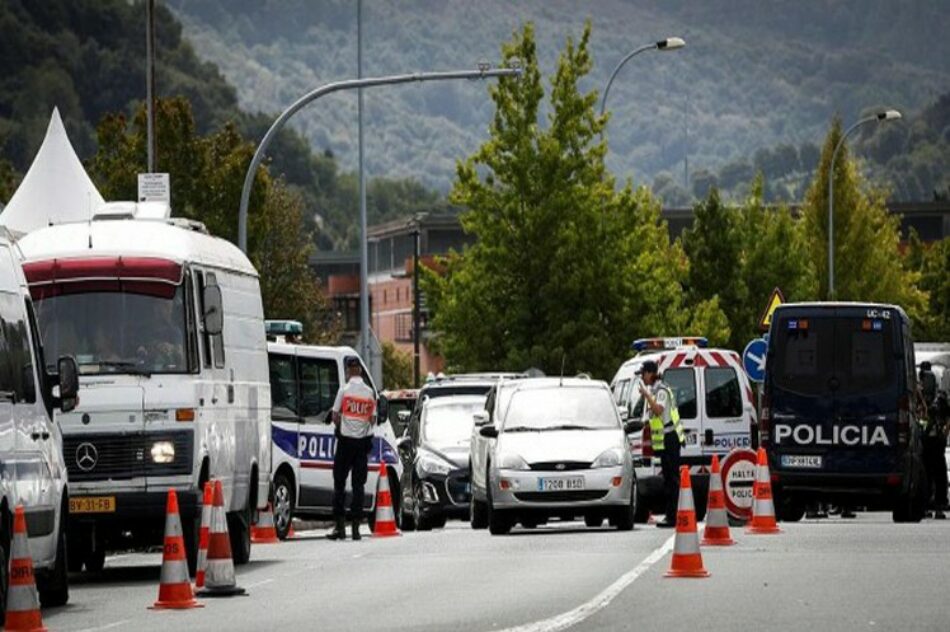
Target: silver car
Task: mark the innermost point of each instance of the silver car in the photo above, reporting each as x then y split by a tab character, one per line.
551	448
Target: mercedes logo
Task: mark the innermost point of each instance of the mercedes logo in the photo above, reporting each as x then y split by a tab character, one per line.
86	456
559	466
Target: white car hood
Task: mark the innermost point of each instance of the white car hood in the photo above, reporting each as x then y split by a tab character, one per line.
559	445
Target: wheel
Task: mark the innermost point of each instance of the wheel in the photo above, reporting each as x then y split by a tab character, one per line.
408	520
239	529
478	514
284	503
437	522
498	522
642	508
789	509
593	520
54	589
911	504
627	516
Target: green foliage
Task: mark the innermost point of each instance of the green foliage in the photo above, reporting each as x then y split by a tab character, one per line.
866	237
932	263
397	367
8	181
207	173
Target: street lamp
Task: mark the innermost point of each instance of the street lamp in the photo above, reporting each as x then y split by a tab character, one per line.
886	115
670	43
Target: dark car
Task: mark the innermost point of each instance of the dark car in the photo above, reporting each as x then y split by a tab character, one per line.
839	419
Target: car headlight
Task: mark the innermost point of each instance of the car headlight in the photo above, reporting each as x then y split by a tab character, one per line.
512	462
431	464
163	452
609	458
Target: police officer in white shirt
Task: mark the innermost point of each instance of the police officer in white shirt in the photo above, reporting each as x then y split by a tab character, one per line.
354	415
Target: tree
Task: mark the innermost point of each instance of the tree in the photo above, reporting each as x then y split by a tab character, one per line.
397	367
207	173
9	180
866	236
932	262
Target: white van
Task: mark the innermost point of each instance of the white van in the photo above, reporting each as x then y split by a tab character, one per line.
304	381
166	325
31	464
715	403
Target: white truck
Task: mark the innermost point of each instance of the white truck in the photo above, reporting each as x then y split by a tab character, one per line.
32	472
166	325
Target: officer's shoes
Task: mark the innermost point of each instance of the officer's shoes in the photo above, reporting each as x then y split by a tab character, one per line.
939	515
339	531
356	532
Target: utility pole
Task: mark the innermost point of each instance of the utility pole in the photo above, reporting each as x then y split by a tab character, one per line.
150	80
365	347
416	317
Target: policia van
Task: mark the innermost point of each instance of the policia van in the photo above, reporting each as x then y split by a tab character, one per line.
838	418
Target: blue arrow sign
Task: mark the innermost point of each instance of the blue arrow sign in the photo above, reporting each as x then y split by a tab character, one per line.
753	359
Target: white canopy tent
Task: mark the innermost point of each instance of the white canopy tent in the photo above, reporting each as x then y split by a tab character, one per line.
55	190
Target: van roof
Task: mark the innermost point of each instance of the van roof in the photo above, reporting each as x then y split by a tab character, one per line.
708	357
838	304
315	351
130	237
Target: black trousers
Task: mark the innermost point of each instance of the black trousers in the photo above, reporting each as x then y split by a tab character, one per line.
352	455
670	464
936	466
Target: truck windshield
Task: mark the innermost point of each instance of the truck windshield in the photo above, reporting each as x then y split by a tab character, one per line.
117	332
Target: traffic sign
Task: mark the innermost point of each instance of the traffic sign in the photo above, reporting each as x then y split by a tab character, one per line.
154	187
738	476
775	299
753	359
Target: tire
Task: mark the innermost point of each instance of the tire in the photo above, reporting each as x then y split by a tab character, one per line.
593	520
642	514
284	504
498	522
911	504
627	516
478	514
239	529
437	522
789	509
54	590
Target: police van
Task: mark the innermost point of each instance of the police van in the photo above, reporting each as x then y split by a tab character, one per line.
715	404
166	324
839	420
304	383
32	472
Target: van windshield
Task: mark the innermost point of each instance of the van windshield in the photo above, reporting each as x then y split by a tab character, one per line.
847	355
117	332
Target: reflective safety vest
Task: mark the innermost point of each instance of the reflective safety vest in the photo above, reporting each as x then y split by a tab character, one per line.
658	430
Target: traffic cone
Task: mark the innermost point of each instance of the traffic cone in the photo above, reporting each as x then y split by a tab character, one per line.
763	508
23	602
687	560
174	591
264	532
716	532
203	535
385	518
291	534
220	580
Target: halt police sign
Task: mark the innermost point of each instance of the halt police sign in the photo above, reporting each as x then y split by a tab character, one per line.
753	359
738	476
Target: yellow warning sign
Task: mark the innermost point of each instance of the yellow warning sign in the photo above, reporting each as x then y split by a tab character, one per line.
776	299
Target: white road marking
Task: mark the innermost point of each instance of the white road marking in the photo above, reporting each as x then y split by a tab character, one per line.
260	583
585	610
107	626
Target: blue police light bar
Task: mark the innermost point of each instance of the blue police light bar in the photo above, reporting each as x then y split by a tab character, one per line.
659	344
283	327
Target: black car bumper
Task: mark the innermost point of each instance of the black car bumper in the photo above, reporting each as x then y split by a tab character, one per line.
445	495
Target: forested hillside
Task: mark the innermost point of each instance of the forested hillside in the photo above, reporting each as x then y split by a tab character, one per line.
755	75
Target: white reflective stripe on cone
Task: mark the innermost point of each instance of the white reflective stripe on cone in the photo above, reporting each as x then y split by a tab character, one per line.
686	500
175	572
686	544
22	598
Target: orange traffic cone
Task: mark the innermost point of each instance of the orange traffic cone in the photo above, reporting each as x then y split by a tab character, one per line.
385	518
220	580
716	532
174	591
264	532
23	602
763	508
687	560
203	535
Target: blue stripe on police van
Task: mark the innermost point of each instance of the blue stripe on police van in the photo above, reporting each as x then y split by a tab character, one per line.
319	447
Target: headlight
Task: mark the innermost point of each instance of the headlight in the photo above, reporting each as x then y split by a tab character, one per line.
163	452
431	464
512	462
609	458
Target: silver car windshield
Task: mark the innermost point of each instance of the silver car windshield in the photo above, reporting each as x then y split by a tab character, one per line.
116	332
450	420
561	408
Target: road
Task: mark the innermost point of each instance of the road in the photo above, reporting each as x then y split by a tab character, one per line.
866	574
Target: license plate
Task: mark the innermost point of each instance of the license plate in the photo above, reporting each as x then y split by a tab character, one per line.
808	462
560	484
92	504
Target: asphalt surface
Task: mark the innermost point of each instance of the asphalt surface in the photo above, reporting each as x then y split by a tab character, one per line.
864	574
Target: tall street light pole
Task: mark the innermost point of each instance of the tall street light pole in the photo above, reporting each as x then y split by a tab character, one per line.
150	82
670	43
364	248
886	115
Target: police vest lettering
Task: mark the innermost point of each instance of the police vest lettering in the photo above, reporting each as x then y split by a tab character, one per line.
357	408
838	435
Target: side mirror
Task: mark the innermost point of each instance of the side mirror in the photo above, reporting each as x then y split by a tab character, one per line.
489	432
403	415
214	310
403	442
68	383
382	409
481	417
633	426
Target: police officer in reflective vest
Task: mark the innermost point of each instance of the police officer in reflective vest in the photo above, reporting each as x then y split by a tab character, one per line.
354	414
666	433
